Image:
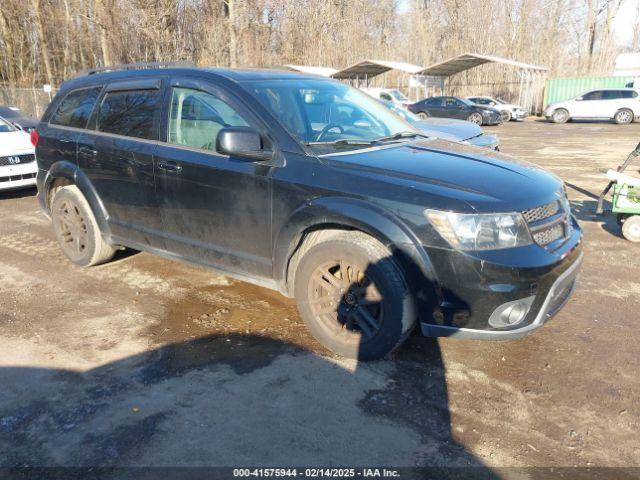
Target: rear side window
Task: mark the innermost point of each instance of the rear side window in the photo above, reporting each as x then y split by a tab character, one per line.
129	113
628	94
434	102
76	108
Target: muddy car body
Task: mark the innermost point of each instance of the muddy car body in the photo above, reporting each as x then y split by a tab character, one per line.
345	206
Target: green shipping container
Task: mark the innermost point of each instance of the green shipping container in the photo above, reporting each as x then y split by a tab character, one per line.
560	89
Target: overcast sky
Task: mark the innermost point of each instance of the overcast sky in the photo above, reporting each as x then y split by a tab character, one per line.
624	21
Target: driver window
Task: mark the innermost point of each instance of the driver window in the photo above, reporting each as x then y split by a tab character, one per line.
196	118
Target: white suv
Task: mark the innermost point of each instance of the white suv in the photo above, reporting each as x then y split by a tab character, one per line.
621	105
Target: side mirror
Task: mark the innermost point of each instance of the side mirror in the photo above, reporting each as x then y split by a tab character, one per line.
244	142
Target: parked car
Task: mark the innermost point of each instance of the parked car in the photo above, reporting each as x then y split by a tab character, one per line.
509	111
448	128
621	105
392	95
454	107
18	118
18	166
312	188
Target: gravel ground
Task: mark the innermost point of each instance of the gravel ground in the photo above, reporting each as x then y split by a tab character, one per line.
145	361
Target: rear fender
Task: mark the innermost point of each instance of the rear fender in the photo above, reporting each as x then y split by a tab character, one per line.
71	172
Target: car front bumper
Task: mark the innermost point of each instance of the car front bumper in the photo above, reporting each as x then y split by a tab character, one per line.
519	115
18	176
484	140
474	288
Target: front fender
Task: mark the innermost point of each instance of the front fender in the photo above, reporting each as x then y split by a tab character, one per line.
72	173
332	212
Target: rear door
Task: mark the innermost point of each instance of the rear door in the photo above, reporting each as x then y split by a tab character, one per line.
117	156
215	209
434	106
454	108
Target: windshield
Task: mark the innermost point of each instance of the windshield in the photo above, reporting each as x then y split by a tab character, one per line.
397	94
410	117
327	113
499	100
467	102
6	126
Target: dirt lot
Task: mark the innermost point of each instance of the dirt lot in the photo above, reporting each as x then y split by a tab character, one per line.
144	361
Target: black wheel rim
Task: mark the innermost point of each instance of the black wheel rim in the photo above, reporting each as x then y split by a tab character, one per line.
72	229
345	300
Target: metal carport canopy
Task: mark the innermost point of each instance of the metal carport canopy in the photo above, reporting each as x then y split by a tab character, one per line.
470	60
371	68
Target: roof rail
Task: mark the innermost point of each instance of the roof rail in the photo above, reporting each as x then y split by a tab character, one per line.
135	66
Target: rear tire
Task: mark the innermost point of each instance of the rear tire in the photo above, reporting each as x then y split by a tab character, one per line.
560	116
423	115
353	297
623	116
76	229
631	228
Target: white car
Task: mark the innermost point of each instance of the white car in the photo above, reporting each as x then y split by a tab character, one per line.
388	95
18	167
621	105
509	111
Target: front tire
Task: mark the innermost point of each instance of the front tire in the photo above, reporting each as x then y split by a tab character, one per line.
631	228
560	116
505	115
623	116
353	297
475	117
76	229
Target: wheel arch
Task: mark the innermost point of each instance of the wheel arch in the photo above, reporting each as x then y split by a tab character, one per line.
65	173
324	216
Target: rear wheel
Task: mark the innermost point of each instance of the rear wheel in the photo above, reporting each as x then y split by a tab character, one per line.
353	297
475	117
560	116
631	228
76	229
423	115
623	116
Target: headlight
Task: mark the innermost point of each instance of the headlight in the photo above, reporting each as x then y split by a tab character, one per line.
491	231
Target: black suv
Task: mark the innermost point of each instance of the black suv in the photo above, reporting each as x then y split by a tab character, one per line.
454	107
312	188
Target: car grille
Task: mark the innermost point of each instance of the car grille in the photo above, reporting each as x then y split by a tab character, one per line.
549	223
16	160
15	178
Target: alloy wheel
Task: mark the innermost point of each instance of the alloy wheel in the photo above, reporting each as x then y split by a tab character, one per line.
345	301
73	229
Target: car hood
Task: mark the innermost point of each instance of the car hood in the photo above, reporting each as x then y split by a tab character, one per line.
448	128
12	143
25	122
455	176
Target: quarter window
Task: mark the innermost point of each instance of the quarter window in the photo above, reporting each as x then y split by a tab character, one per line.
196	118
128	113
76	108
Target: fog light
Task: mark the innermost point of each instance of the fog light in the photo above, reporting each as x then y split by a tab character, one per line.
511	313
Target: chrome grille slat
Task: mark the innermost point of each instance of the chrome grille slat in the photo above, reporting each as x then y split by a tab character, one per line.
540	213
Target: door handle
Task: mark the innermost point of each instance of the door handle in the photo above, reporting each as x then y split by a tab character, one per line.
169	166
88	152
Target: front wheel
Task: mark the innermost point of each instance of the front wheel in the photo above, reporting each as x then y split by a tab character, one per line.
623	116
631	228
505	115
476	118
76	229
353	297
560	116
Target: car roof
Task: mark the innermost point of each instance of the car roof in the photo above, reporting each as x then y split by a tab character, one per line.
235	75
608	89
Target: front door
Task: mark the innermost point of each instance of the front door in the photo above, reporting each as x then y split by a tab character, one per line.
215	209
117	156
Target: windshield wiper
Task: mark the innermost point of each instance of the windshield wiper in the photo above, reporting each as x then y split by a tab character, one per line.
399	136
344	142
